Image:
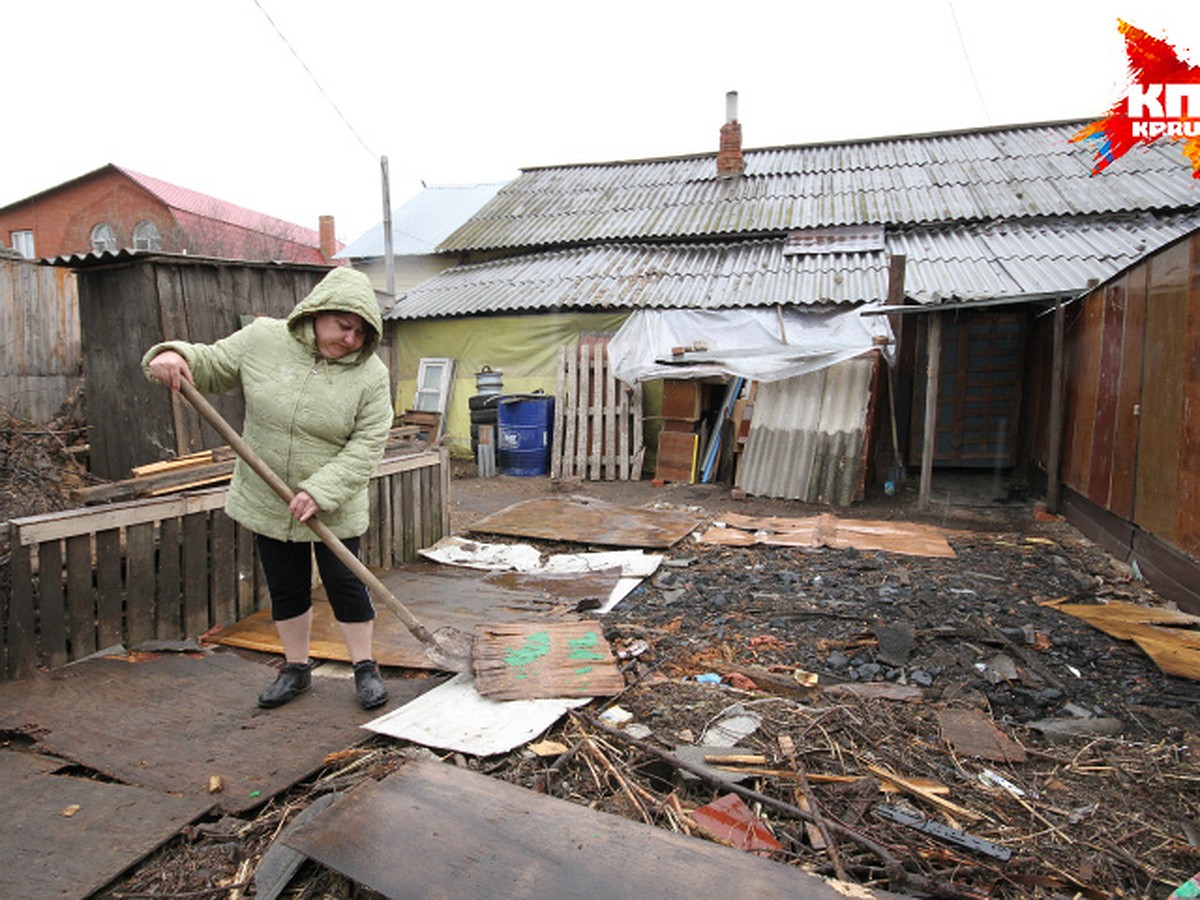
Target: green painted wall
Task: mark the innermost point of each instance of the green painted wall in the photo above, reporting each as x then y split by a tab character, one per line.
524	349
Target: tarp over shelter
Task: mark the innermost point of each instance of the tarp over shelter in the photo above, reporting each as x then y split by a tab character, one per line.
754	343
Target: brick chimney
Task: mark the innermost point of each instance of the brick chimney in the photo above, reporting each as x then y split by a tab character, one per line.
730	163
328	238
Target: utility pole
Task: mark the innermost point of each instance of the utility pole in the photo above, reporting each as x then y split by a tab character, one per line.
388	255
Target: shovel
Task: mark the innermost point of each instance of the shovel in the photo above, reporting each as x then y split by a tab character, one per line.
447	647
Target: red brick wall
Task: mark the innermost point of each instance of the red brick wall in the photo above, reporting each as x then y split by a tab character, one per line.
62	220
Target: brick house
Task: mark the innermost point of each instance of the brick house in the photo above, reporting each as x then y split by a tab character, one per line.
113	208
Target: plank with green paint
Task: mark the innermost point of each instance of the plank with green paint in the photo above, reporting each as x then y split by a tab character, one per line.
524	661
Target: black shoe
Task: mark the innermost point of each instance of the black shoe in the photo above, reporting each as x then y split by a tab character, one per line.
295	679
372	692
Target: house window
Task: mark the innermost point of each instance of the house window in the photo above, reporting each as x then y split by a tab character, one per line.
146	237
22	242
103	238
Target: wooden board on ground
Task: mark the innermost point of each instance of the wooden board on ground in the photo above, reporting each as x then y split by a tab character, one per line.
586	520
528	661
169	722
438	596
69	835
1175	650
420	833
829	531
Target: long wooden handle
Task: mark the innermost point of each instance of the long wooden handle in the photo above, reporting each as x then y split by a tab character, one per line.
319	528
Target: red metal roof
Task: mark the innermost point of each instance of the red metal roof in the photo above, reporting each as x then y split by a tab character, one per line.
212	208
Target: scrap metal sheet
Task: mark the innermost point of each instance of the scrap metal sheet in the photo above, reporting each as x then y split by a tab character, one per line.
829	531
586	520
169	722
69	835
436	830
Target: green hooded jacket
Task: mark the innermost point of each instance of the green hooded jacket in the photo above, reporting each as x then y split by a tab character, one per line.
320	424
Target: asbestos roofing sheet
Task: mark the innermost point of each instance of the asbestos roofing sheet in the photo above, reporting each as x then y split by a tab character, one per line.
68	835
640	276
1015	171
435	830
807	434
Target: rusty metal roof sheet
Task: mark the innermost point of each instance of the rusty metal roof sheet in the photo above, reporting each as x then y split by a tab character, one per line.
1019	171
1028	258
808	433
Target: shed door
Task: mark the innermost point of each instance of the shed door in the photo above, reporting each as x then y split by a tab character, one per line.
979	395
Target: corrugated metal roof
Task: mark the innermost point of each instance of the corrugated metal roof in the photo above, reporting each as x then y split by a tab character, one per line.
424	221
1020	172
653	276
807	435
982	260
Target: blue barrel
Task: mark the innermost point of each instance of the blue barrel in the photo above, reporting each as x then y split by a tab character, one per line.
523	442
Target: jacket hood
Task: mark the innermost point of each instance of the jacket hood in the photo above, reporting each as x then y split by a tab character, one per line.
341	290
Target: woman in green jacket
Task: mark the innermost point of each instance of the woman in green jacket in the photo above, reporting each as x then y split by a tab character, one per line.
318	412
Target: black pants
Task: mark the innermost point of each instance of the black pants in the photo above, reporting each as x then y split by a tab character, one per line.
288	567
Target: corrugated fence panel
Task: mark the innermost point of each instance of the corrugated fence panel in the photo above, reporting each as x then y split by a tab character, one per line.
173	567
808	435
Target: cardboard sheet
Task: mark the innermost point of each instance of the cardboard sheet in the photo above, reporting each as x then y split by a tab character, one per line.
829	531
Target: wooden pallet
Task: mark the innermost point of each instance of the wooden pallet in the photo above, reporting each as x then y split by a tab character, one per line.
597	429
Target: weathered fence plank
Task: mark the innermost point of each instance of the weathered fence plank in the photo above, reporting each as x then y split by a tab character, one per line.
597	420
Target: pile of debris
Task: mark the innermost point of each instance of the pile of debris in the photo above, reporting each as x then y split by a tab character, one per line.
926	725
41	467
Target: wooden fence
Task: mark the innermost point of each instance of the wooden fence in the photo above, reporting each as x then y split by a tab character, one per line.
597	431
41	355
173	567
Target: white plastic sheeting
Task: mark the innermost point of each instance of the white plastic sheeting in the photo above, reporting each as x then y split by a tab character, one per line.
745	343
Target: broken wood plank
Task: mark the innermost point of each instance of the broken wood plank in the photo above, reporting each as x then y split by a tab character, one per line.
911	787
526	661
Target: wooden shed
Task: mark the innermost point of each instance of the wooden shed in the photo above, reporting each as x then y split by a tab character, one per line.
1131	432
130	301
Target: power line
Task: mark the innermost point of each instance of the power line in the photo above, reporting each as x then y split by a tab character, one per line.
287	43
962	44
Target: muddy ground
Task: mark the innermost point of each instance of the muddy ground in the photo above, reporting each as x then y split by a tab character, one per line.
896	644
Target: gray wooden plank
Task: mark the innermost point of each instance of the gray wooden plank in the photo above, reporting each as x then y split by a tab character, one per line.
48	853
171	721
139	582
437	831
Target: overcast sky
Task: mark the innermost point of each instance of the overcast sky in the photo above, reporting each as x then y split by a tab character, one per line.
209	96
